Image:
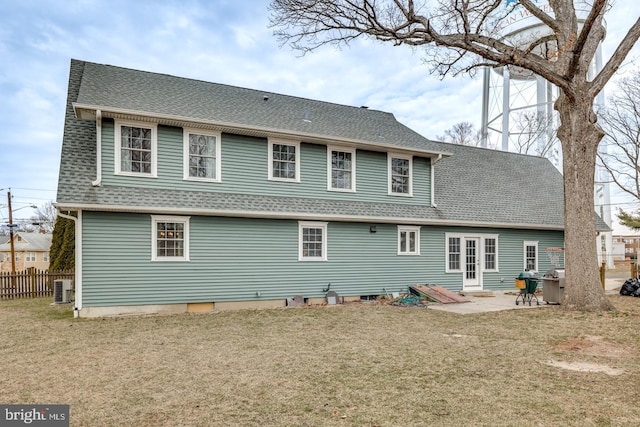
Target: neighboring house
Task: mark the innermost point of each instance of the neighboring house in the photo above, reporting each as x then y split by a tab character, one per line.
195	196
31	249
628	246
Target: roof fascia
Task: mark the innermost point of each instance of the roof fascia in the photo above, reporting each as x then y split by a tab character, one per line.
88	112
298	216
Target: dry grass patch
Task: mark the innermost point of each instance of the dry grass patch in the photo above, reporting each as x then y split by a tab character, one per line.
357	365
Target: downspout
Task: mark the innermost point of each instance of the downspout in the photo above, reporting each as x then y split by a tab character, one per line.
98	180
433	180
78	270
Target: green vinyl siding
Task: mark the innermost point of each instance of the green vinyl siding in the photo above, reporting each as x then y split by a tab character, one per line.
234	259
244	170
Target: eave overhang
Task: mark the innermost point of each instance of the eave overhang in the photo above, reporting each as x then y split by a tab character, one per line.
300	216
88	112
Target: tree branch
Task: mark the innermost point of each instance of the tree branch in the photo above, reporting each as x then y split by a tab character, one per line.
616	59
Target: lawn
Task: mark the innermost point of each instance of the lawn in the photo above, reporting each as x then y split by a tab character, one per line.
356	365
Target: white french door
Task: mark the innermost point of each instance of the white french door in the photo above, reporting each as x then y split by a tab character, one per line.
471	271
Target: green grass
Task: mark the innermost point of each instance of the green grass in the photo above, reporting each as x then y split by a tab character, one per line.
355	365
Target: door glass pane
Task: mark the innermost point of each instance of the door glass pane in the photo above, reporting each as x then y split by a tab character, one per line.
471	259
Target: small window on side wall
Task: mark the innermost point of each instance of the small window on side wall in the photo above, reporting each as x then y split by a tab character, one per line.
170	238
531	256
408	240
312	244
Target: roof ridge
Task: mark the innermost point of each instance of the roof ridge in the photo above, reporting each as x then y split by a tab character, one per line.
257	91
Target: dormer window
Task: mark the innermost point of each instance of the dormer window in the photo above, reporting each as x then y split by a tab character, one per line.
202	155
284	161
341	169
135	149
400	169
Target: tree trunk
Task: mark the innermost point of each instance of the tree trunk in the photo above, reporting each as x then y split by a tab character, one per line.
580	136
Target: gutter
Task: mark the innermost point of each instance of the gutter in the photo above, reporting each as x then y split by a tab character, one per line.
98	180
84	112
77	279
433	180
301	216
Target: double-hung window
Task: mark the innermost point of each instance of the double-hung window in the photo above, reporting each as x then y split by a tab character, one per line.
202	155
312	241
170	238
400	174
530	255
136	149
341	169
490	253
45	256
454	254
408	240
284	161
30	257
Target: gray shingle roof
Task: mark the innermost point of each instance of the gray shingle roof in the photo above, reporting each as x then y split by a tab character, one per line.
30	241
474	186
110	87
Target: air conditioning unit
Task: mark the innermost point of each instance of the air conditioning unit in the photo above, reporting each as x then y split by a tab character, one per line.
62	291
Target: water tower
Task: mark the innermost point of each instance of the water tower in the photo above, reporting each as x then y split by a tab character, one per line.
517	105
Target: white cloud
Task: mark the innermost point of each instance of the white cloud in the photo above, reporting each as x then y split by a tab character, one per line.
224	41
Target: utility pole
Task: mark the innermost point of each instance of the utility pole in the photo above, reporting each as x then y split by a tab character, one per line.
13	249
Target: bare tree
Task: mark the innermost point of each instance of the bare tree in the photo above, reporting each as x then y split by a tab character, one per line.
535	136
463	133
621	159
45	217
460	35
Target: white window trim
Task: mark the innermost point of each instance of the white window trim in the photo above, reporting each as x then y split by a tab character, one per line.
484	260
330	150
391	156
313	224
218	161
447	236
154	243
524	253
117	155
481	252
409	229
270	158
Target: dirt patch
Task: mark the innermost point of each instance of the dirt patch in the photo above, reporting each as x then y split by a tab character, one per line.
585	367
594	346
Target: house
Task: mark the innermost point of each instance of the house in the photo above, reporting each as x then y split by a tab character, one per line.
31	249
195	196
626	246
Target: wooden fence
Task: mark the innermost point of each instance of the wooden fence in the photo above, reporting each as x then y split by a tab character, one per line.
30	283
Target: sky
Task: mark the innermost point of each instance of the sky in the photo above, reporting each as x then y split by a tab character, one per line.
222	41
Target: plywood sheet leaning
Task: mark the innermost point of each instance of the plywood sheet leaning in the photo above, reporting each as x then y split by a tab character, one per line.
438	293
